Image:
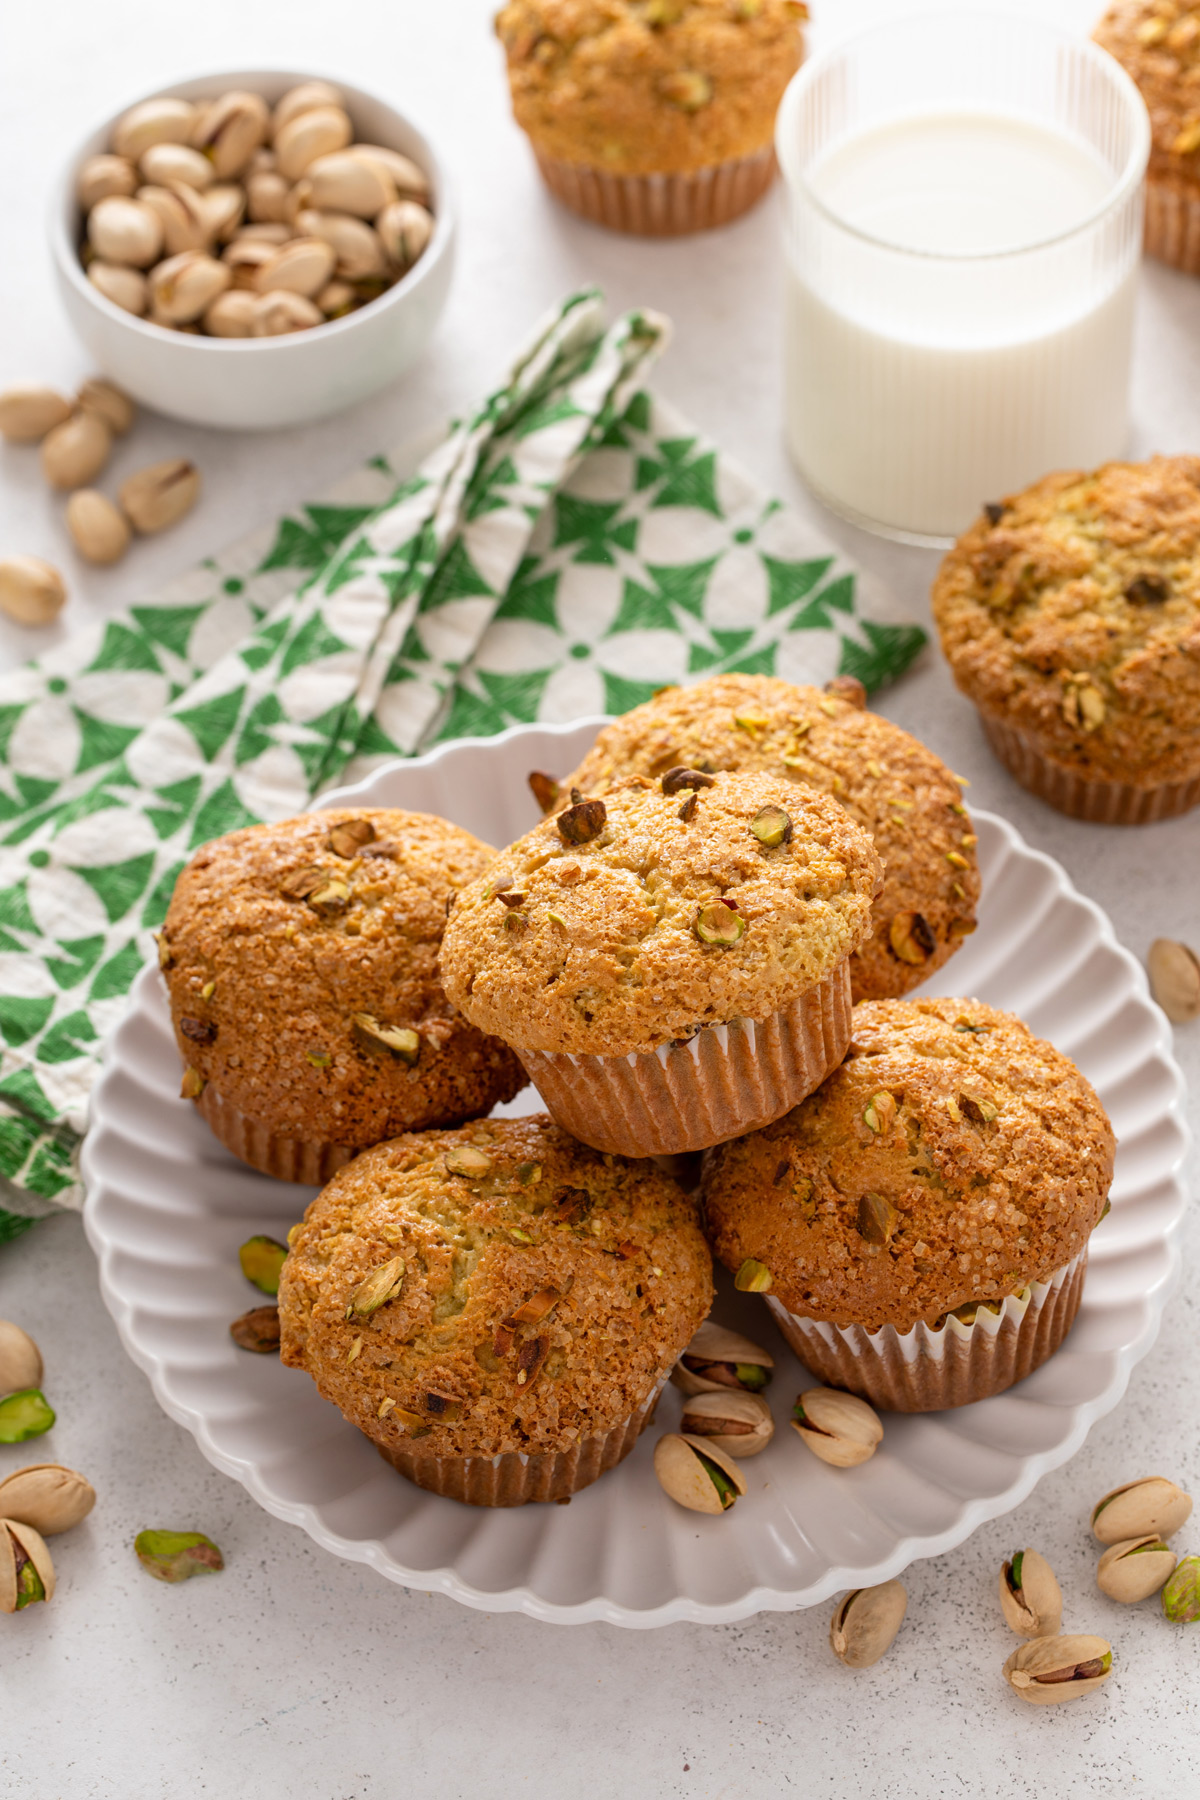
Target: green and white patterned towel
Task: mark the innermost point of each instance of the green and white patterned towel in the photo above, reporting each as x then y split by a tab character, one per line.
569	548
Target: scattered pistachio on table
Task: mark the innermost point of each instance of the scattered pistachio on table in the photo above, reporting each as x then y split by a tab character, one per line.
26	1571
1174	972
693	1472
256	1330
1152	1504
1135	1569
1030	1597
177	1555
99	530
200	179
1047	1670
839	1428
1181	1593
47	1496
20	1359
865	1623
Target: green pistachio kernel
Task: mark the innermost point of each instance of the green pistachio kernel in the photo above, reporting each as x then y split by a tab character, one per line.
177	1555
752	1376
1181	1594
25	1414
262	1262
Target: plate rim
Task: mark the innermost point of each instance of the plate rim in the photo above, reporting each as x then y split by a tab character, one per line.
682	1609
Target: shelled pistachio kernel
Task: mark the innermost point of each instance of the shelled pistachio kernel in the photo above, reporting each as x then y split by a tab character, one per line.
1048	1670
25	1414
753	1277
839	1428
1181	1594
1152	1504
1135	1569
719	923
26	1570
772	827
262	1260
177	1555
865	1623
380	1286
1030	1597
401	1040
717	1358
695	1474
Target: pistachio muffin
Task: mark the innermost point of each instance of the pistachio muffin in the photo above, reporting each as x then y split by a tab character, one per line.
669	962
496	1307
652	116
1157	42
301	963
920	1224
896	789
1070	615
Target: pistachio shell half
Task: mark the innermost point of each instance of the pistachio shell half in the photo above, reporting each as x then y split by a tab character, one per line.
1030	1597
696	1474
839	1428
1050	1669
718	1359
47	1496
1152	1504
26	1571
1128	1572
20	1359
740	1424
865	1623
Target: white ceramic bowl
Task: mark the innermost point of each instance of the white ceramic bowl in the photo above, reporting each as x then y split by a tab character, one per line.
254	384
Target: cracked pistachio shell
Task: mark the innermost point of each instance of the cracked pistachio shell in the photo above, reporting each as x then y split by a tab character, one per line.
405	228
302	99
228	131
125	231
740	1424
315	132
1152	1504
1027	1669
157	496
1032	1605
28	412
231	314
356	247
20	1359
839	1428
74	453
47	1496
16	1594
126	288
158	121
183	216
185	286
1130	1571
302	266
714	1344
409	181
349	183
865	1623
103	175
682	1475
225	205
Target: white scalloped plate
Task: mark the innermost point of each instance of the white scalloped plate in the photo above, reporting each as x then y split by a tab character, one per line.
167	1208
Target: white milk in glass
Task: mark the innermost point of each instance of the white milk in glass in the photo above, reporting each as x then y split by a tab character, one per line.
957	368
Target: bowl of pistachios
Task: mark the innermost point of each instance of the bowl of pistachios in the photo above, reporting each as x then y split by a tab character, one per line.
254	249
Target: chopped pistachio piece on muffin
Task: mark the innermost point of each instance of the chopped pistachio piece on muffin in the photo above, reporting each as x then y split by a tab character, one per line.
623	924
301	963
1070	615
953	1158
512	1301
895	788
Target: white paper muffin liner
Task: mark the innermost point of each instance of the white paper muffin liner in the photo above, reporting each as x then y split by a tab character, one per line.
923	1369
1094	798
661	205
308	1160
1172	232
721	1083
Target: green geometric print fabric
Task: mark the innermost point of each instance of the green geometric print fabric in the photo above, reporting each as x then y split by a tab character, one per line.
570	546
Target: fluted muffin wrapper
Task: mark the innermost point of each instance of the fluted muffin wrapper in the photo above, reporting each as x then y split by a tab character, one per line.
1100	801
517	1477
721	1083
926	1370
309	1160
1172	231
661	205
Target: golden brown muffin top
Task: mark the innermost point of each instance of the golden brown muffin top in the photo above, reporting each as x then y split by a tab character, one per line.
540	1290
1157	42
1073	611
896	789
301	962
674	915
953	1157
645	87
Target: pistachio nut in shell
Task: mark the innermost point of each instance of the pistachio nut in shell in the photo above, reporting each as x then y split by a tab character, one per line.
163	163
126	288
47	1496
103	175
1152	1504
159	121
111	402
29	411
302	266
125	231
346	182
279	312
410	182
1131	1571
694	1473
1030	1597
99	530
177	1555
262	1260
266	197
31	591
74	453
1047	1670
257	1330
315	132
25	1414
20	1359
26	1571
336	299
302	99
225	207
865	1623
185	286
156	497
404	228
229	130
1174	971
183	217
1181	1594
231	314
740	1424
718	1359
839	1428
356	247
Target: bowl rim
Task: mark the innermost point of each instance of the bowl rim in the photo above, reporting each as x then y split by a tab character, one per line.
63	207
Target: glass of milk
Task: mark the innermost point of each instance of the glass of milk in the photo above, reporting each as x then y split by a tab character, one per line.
964	198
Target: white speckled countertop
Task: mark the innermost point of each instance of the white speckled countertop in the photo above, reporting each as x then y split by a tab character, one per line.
294	1674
